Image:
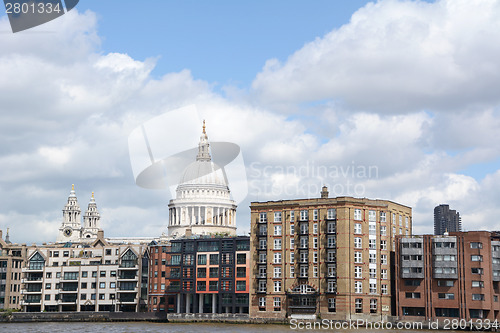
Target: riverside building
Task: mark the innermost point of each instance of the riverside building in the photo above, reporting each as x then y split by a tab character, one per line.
453	276
200	275
85	277
11	261
328	257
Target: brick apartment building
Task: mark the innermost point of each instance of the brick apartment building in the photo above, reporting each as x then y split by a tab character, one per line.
200	275
324	256
450	276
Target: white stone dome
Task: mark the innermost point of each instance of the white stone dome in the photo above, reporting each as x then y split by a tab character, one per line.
203	172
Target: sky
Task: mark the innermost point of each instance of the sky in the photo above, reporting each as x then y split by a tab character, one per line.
394	100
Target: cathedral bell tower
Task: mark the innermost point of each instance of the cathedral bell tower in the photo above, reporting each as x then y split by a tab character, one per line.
91	224
69	231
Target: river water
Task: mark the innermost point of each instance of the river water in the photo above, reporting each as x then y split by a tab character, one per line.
165	328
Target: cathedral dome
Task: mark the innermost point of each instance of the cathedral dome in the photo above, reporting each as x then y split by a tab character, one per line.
203	172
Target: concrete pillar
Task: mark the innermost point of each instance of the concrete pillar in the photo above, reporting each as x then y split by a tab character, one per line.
199	215
200	302
214	303
188	299
178	303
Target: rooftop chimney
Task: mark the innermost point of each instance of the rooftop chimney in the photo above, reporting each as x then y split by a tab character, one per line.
324	192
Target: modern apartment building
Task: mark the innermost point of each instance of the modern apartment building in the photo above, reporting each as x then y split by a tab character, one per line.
200	275
99	276
324	256
446	220
11	261
454	276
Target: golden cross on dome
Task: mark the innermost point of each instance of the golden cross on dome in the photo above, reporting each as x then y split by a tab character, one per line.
72	187
204	127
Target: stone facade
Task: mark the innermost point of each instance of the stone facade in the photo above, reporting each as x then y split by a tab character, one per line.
11	262
327	256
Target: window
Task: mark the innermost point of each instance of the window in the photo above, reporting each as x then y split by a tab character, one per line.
414	283
315	228
332	286
214	259
331	271
277	304
303	271
477	297
277	230
477	284
400	220
292	229
372	229
383	245
262	303
202	259
315	215
383	274
358	287
383	259
332	213
315	271
476	245
445	283
262	258
292	271
330	241
357	228
372	244
358	305
383	217
292	243
101	296
214	272
446	295
476	270
383	289
292	257
372	258
331	256
358	257
241	285
277	272
277	217
241	259
373	305
406	222
331	227
476	258
357	214
262	244
357	242
262	230
303	242
304	215
358	271
263	217
332	305
277	244
292	216
303	256
373	273
373	288
412	295
277	258
48	286
277	286
315	257
102	273
315	242
102	285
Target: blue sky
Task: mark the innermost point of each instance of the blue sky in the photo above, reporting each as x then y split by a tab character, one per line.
223	42
406	87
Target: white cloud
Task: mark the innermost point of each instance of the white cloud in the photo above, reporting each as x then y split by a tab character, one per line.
396	56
